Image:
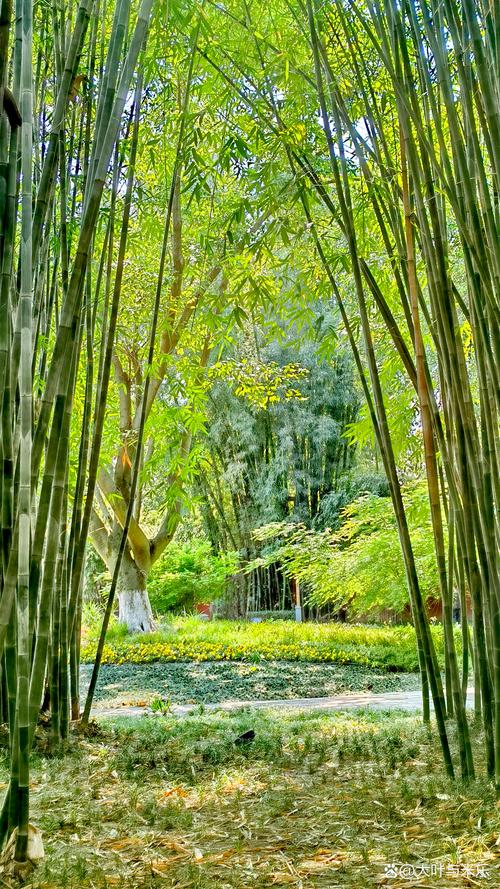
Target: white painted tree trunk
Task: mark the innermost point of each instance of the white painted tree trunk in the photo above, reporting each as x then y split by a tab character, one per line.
134	608
135	611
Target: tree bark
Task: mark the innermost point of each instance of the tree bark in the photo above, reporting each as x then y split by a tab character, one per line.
134	608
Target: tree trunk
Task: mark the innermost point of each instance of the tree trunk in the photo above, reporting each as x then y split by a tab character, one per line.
134	606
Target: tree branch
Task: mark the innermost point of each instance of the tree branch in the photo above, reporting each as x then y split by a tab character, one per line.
138	540
99	536
124	396
171	520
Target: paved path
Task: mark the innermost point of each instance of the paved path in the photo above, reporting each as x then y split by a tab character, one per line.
394	700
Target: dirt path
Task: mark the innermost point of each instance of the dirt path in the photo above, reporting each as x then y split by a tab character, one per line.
404	700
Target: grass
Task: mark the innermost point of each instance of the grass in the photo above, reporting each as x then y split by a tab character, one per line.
313	801
190	639
217	681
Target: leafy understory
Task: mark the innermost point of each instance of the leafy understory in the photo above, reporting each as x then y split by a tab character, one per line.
312	801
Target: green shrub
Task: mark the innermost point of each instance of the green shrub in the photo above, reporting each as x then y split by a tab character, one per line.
358	566
92	622
188	573
257	616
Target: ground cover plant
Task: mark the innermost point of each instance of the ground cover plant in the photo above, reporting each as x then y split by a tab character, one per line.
387	647
312	801
213	682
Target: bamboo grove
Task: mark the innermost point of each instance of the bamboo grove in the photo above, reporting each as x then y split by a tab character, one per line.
400	197
382	120
48	308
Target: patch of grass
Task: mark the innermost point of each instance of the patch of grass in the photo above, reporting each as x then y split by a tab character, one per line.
217	681
185	639
314	800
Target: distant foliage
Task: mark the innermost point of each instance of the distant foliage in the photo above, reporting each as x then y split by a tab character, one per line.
359	566
186	574
271	459
293	459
